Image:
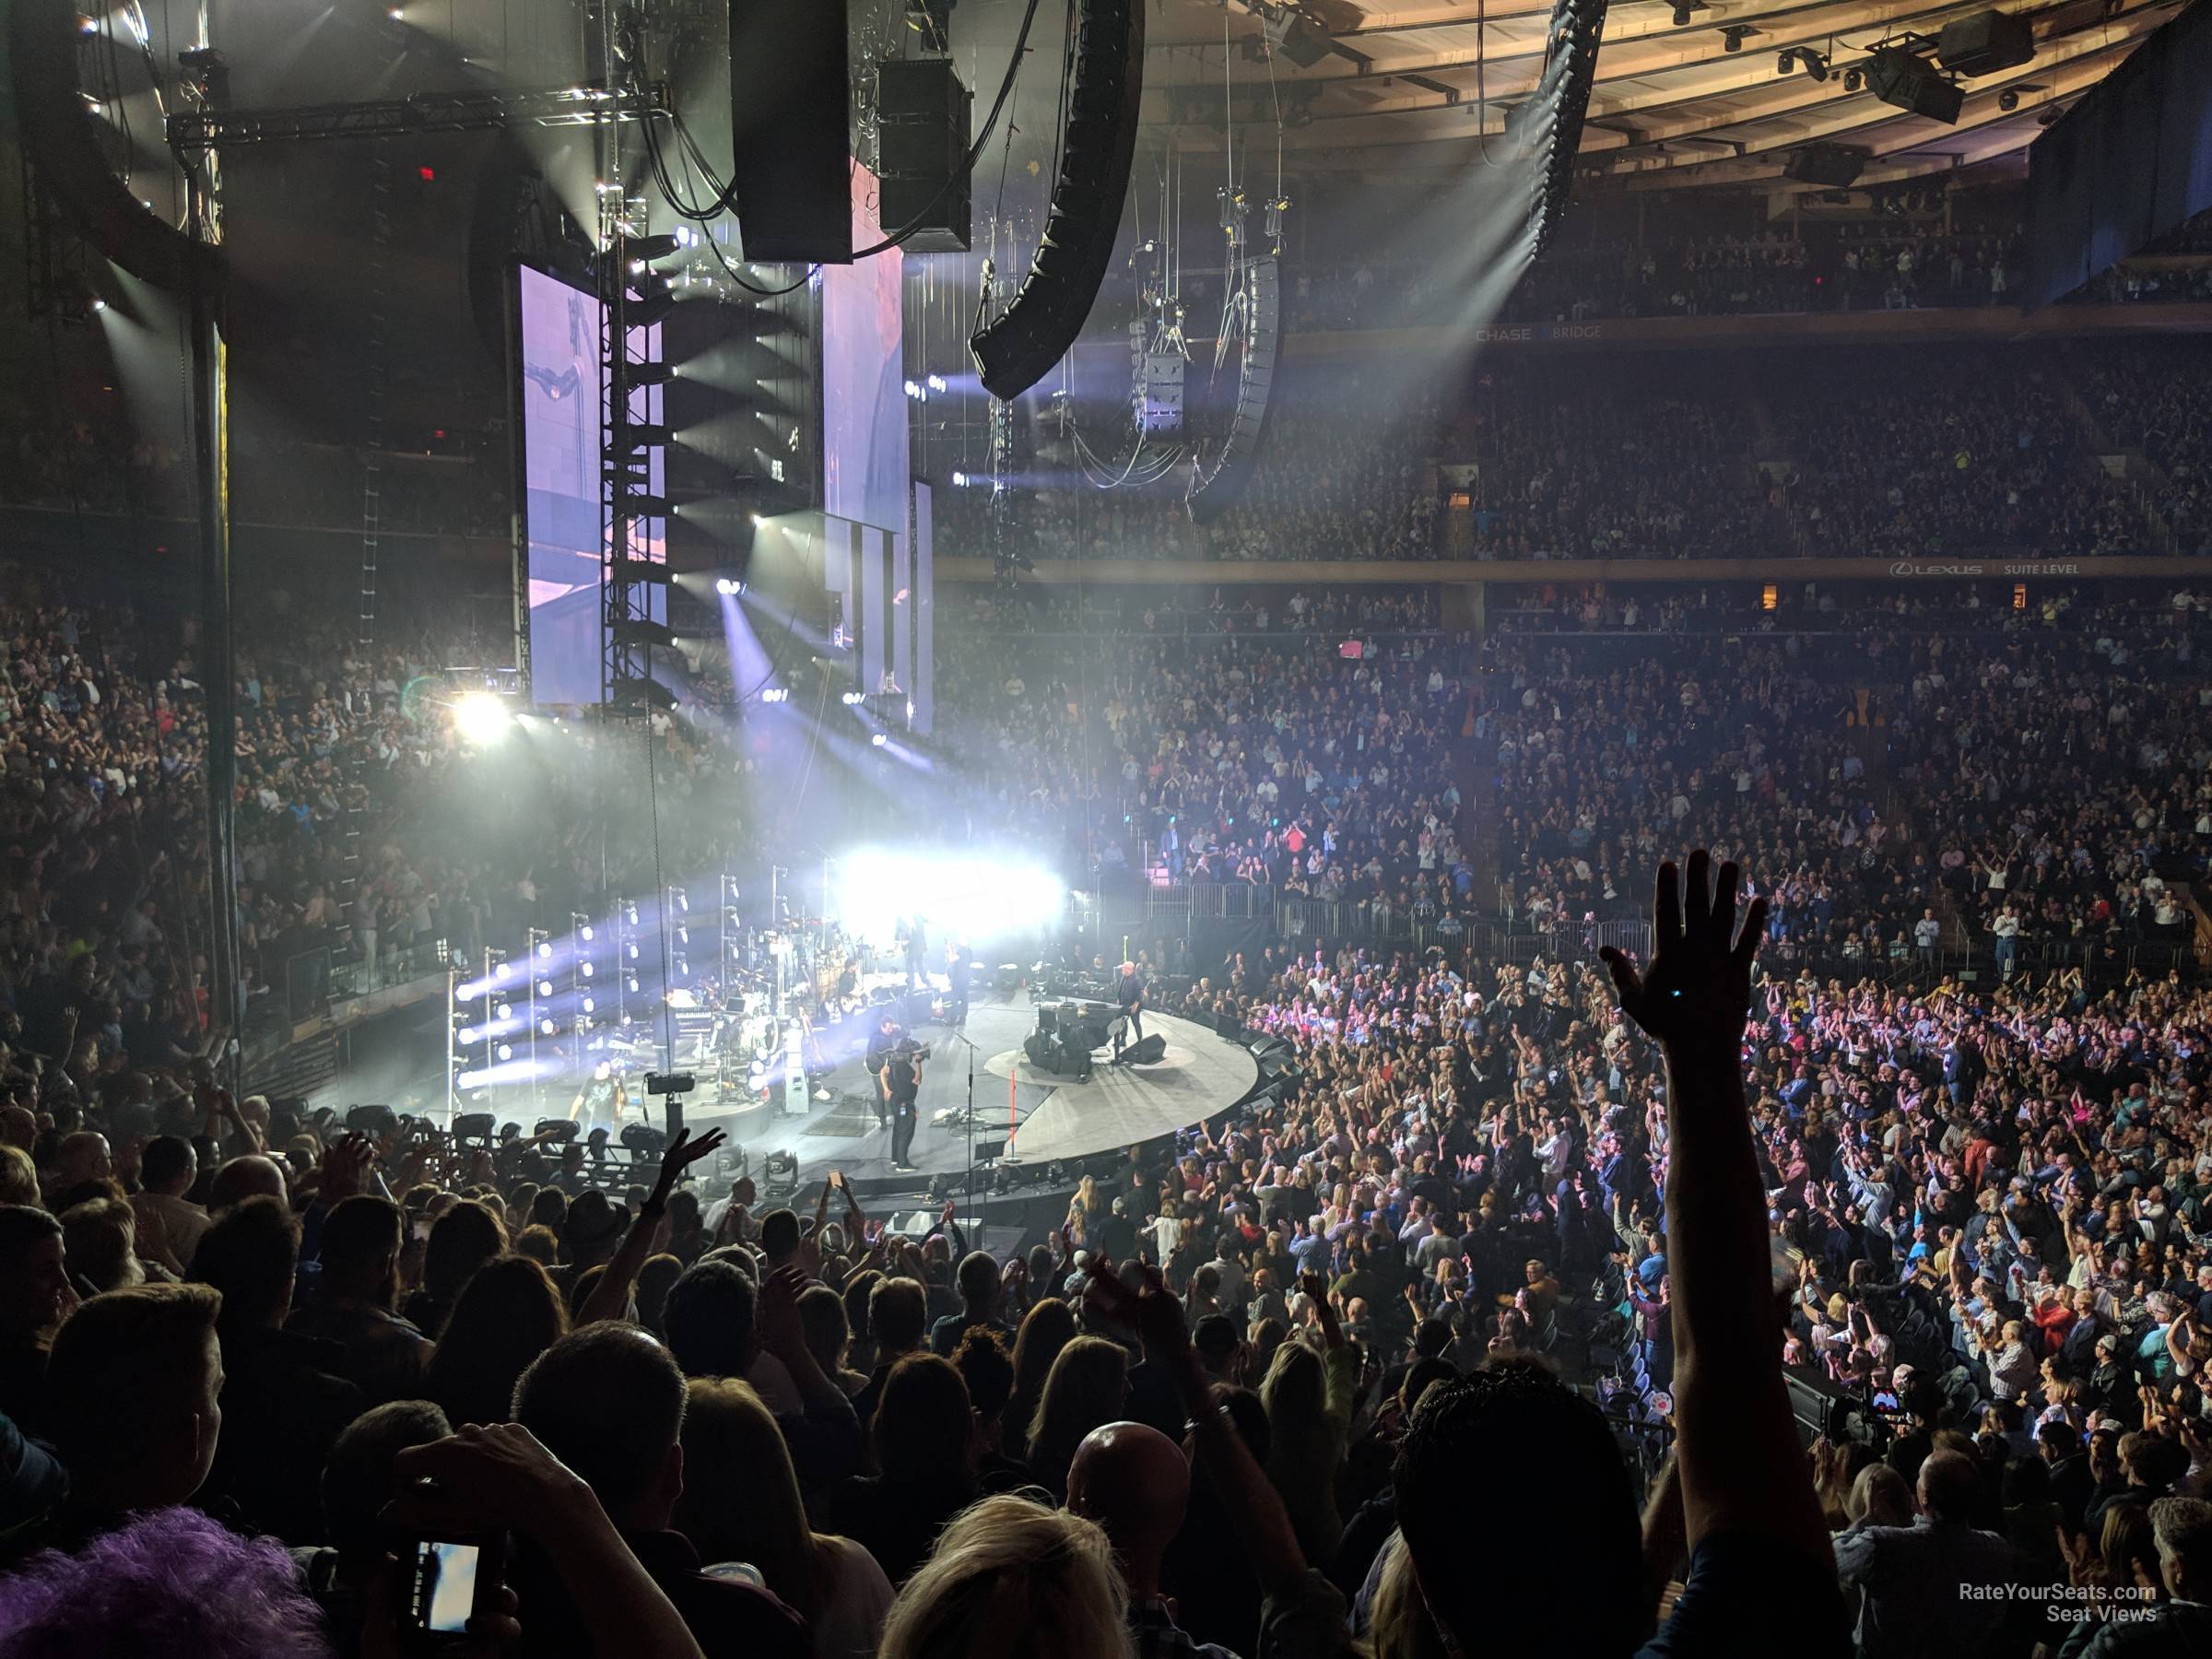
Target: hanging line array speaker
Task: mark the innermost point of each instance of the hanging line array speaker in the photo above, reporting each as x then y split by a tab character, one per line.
789	144
1018	347
1214	489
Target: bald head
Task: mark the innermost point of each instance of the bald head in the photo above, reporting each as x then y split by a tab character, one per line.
1135	1483
1949	1487
244	1178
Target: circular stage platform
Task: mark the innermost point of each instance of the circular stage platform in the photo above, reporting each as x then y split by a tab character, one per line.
1045	1118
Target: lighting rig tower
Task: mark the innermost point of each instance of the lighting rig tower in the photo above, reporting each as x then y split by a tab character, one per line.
627	964
732	940
584	981
676	928
538	987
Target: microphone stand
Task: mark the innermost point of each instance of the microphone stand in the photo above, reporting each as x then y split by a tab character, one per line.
968	1128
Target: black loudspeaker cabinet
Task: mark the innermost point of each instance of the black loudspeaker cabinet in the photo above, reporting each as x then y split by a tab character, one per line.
1149	1052
789	116
923	114
1019	347
1831	164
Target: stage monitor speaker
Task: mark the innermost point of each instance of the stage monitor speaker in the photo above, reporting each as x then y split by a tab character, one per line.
923	114
1897	76
789	146
473	1126
1215	489
1043	1050
1985	42
1017	348
1149	1052
372	1121
1831	164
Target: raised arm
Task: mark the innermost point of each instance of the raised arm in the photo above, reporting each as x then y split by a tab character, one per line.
610	1296
1740	1467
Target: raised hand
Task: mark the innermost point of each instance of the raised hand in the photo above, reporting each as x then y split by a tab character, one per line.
1694	994
682	1153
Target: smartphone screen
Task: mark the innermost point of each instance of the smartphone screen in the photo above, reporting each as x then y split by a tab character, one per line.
443	1593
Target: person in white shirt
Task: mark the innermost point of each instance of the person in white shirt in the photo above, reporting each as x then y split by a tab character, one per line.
169	1228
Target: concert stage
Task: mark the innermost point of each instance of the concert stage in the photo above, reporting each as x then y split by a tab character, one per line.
1056	1119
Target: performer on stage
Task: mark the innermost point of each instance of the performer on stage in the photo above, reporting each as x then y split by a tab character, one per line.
961	972
1130	994
888	1037
602	1099
917	952
902	1072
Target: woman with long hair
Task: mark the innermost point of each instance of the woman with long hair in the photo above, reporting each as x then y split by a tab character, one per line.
741	1503
1309	1419
463	1240
924	1439
506	1316
1046	1329
1086	1389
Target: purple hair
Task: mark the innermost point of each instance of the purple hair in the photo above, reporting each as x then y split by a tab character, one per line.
170	1581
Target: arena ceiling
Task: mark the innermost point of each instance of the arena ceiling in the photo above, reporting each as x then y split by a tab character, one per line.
1399	87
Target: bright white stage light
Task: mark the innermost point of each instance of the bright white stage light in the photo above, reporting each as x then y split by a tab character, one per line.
878	740
544	949
547	1026
504	1011
500	970
729	587
959	479
850	698
506	1051
482	718
589	1005
935	383
586	970
585	933
511	1071
544	987
961	895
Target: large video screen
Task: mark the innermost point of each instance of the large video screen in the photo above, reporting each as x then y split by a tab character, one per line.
564	431
863	398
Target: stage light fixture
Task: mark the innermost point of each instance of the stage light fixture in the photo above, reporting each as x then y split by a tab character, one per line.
935	383
500	970
544	987
639	633
960	480
504	1011
1853	80
2008	100
648	309
481	717
544	949
506	1051
757	520
546	1026
589	1005
585	968
650	248
1786	61
584	932
729	587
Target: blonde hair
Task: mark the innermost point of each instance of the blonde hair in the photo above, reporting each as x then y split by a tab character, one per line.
1013	1580
99	1236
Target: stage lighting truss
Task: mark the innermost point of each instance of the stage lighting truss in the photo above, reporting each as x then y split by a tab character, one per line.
676	925
633	499
628	955
583	1004
733	932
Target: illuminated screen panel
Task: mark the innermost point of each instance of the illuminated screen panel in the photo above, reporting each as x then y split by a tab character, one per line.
563	436
864	402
